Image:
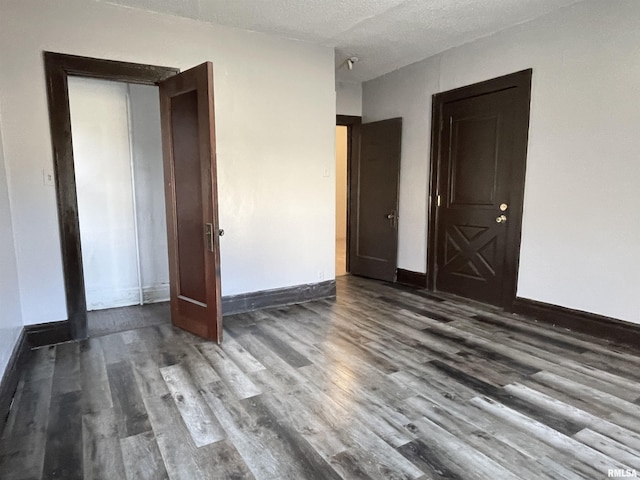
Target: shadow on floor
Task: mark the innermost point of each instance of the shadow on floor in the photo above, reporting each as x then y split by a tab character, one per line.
104	322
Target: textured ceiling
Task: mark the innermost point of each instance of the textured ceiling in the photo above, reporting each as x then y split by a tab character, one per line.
384	34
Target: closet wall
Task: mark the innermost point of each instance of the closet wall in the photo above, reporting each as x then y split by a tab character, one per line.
146	144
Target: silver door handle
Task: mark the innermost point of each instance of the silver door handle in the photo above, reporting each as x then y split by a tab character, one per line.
393	218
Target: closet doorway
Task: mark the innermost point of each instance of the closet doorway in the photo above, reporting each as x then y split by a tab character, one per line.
190	189
117	151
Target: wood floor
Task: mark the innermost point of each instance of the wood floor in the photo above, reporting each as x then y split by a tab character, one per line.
111	320
382	382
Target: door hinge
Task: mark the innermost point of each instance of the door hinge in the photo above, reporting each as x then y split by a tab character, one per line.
438	200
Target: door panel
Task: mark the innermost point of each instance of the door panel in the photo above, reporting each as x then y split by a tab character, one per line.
188	192
374	242
188	140
474	153
481	183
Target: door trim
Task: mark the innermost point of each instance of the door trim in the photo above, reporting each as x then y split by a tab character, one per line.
58	67
520	80
353	123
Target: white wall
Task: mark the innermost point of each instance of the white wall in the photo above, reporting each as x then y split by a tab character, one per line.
349	98
10	315
581	230
146	141
407	93
275	115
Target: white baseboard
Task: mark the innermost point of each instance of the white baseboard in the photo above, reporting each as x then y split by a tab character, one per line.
113	298
156	293
125	297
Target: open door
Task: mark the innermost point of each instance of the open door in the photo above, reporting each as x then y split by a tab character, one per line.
188	143
374	204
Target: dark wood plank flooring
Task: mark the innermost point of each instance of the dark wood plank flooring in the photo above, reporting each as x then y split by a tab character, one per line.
384	382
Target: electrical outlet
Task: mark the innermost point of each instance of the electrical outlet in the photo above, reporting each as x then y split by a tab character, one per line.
326	172
47	177
320	275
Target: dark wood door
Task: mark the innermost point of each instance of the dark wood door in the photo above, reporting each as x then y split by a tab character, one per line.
374	201
188	142
483	140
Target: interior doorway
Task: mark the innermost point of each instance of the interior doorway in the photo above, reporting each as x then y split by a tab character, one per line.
372	183
117	151
341	199
190	188
347	150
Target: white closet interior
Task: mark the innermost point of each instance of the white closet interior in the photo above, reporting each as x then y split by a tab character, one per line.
119	180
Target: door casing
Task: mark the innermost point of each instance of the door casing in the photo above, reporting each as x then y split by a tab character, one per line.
522	81
58	67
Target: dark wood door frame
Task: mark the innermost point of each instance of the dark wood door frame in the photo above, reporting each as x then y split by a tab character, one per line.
520	80
58	67
353	124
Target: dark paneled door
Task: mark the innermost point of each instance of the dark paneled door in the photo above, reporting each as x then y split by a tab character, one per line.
374	205
480	186
188	142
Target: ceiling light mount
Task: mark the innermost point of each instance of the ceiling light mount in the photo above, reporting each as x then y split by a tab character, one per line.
351	61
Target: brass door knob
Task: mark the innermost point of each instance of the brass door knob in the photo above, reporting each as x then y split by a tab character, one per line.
501	219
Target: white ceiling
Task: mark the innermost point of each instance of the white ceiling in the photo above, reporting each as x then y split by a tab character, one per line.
384	34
